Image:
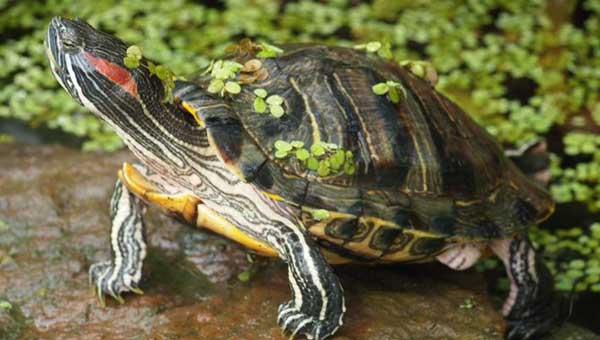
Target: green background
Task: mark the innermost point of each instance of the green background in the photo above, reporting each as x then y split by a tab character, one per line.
524	69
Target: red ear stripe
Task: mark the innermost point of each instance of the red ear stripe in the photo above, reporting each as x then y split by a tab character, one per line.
115	73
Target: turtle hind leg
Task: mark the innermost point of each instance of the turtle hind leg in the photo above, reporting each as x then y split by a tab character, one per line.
531	308
317	305
123	271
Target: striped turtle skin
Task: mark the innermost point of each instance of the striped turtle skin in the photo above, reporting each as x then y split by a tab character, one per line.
425	181
426	174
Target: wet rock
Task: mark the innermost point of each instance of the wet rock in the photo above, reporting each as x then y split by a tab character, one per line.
54	223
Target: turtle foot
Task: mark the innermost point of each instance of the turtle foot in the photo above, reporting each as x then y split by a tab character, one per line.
296	322
524	329
106	282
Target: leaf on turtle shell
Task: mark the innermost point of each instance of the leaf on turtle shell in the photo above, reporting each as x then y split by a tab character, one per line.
276	111
320	214
259	105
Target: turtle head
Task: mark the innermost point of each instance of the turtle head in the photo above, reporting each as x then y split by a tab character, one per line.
89	65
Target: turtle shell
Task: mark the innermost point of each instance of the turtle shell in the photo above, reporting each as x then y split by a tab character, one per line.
425	174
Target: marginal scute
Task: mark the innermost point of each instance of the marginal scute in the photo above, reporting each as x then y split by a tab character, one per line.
384	237
427	246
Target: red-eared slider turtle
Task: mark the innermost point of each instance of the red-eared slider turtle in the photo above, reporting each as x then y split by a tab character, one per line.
324	154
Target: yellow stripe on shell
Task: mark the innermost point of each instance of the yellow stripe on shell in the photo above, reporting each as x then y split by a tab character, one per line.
193	112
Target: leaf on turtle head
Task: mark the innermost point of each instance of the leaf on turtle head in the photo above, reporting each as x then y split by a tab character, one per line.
162	72
134	51
151	67
131	62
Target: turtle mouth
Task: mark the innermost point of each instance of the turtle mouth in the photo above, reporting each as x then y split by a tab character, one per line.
54	53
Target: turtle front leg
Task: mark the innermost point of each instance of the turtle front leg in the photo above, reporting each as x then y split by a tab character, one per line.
530	308
317	305
122	273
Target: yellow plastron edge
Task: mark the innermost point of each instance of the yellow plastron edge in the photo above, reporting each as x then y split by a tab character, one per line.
191	209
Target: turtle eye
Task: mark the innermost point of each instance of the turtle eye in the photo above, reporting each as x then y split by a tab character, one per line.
68	43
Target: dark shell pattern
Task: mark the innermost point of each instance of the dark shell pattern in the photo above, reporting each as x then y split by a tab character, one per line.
426	174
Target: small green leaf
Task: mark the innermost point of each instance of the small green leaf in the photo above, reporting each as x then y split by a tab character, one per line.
232	87
283	145
417	69
349	168
134	51
312	164
337	160
281	154
386	51
275	100
276	111
324	168
262	93
162	72
302	154
320	214
151	67
245	275
259	105
297	144
215	86
373	46
131	62
391	83
7	306
317	150
268	51
394	97
380	89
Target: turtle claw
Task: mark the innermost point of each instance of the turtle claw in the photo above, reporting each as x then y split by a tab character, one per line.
137	291
101	277
295	322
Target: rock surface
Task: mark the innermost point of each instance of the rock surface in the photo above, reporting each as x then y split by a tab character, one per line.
54	224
